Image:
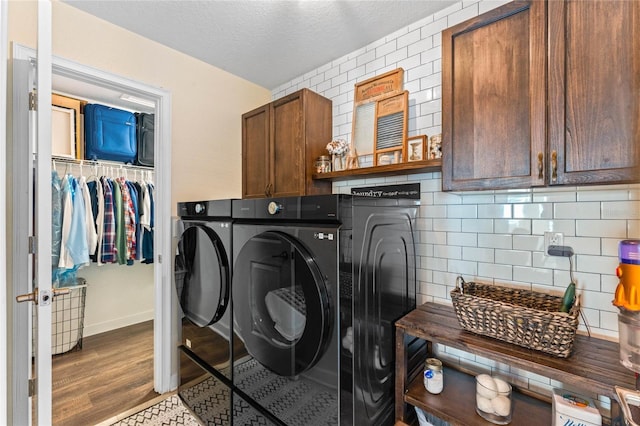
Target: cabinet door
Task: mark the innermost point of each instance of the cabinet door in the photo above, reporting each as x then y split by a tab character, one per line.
493	99
594	91
255	153
287	172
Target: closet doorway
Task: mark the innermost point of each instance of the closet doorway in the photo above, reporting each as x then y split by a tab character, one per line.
85	82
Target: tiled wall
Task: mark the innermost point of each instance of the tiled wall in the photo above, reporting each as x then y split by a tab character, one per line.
492	236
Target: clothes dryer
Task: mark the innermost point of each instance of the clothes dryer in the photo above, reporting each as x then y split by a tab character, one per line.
203	286
318	283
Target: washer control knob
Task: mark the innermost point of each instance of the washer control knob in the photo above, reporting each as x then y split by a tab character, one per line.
199	208
274	208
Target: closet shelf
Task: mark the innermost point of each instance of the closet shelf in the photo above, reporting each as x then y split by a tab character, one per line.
101	163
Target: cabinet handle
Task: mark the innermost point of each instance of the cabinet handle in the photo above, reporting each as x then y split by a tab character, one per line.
554	166
267	189
540	165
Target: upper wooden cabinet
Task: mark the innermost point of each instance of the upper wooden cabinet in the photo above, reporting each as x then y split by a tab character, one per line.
280	142
499	74
594	91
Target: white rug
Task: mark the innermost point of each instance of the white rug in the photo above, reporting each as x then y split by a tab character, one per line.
168	412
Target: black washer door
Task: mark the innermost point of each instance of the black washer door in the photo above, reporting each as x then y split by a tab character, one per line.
202	275
281	305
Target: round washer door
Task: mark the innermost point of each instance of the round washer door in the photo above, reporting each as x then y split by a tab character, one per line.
281	306
202	275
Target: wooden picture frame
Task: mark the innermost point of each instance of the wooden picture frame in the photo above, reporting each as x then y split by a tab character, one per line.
366	95
416	148
77	105
390	129
434	148
63	135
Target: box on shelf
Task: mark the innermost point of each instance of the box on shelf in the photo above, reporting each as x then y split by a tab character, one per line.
569	408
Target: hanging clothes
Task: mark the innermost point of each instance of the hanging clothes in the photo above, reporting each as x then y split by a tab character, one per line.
102	220
109	230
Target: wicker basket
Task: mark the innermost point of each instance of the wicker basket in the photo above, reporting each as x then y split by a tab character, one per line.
522	317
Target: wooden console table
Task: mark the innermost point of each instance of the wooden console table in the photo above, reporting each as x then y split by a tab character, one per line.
593	365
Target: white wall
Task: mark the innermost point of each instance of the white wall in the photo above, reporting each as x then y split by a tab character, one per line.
489	236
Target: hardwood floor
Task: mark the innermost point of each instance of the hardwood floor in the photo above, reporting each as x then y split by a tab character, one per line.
112	373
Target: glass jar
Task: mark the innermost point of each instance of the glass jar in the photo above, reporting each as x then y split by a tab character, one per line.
433	375
493	399
323	164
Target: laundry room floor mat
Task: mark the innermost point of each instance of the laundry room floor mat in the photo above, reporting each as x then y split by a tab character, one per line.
295	402
167	412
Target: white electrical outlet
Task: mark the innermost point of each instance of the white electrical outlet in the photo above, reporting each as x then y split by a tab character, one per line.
552	239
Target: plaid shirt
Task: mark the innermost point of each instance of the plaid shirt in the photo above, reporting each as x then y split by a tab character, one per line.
109	233
129	219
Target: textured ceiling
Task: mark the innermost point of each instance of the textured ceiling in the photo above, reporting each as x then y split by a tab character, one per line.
268	42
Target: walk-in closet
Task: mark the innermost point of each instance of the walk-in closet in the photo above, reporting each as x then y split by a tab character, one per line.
109	223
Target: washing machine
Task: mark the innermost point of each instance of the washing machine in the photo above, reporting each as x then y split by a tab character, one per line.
202	278
318	283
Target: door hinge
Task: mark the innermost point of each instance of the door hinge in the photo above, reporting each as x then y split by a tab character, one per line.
32	387
33	244
33	101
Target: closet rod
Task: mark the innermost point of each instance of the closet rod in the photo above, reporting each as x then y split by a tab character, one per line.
114	164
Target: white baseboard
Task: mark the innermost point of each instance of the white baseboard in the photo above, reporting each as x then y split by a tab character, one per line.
90	330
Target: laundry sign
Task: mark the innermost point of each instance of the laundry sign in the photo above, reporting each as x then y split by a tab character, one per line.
407	190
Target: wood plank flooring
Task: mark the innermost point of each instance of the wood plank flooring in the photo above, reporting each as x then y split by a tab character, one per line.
112	373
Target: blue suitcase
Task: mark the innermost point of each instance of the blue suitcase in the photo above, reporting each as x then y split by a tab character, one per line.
110	134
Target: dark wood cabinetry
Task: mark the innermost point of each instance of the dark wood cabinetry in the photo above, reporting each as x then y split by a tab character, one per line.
594	91
280	142
542	93
493	99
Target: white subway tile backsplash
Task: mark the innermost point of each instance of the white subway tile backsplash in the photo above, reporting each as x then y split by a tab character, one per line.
512	226
532	211
597	264
500	272
587	210
536	275
554	197
528	242
599	300
475	254
446	198
609	320
462	211
461	267
567	227
447	252
621	210
466	239
462	15
513	257
519	196
499	241
478	225
583	245
497	211
601	228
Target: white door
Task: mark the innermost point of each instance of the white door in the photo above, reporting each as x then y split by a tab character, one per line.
32	215
3	220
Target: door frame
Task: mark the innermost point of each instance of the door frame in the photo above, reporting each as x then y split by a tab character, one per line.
3	217
165	322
